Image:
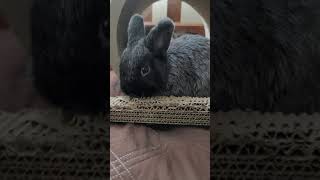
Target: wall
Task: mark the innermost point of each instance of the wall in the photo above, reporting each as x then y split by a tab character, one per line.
188	14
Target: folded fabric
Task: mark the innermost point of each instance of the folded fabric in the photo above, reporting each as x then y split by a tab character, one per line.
140	152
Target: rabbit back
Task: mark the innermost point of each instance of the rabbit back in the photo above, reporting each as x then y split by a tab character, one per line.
189	67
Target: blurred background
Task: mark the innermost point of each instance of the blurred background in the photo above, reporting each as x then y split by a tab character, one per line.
186	18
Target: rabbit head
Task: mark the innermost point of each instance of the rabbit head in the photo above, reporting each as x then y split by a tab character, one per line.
143	66
69	48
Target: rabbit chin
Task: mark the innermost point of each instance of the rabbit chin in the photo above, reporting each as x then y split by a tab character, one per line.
140	94
139	91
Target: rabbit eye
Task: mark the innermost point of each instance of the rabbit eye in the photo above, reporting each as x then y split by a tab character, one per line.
145	70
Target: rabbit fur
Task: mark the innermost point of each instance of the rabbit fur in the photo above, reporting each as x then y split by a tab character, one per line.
70	44
266	55
157	65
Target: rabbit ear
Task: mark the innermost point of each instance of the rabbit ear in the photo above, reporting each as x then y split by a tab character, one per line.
136	29
159	37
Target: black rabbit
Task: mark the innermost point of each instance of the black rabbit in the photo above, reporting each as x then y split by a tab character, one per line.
266	55
157	65
70	42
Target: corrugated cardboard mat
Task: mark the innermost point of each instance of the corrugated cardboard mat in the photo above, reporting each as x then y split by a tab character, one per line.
50	145
161	110
254	145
